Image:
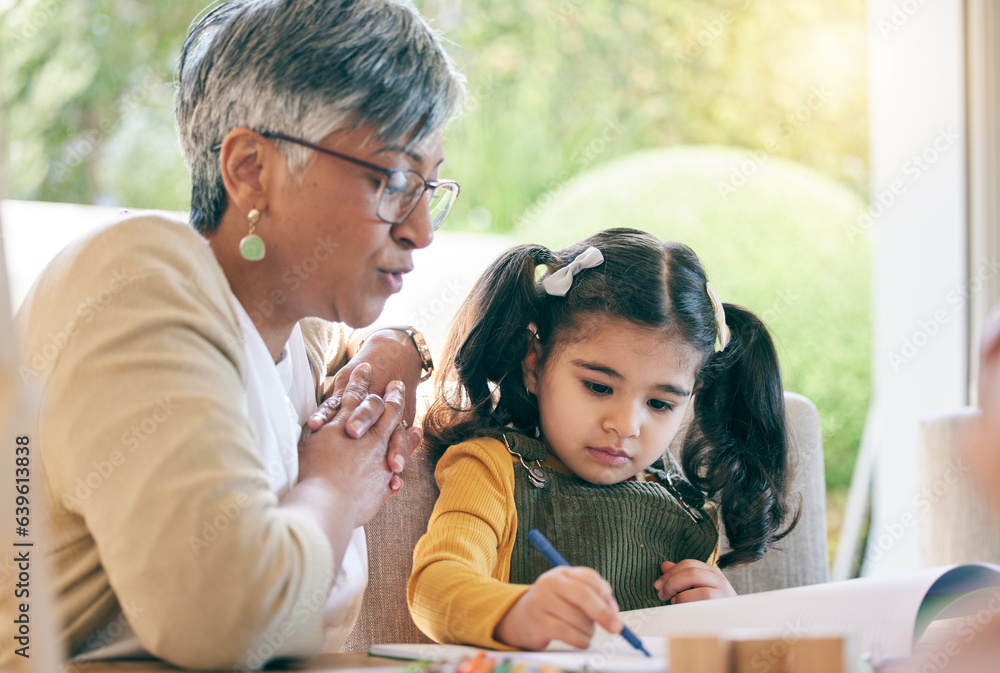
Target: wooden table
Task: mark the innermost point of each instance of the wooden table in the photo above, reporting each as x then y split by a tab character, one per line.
322	662
944	649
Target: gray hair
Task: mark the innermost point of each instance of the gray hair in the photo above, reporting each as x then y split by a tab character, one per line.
306	68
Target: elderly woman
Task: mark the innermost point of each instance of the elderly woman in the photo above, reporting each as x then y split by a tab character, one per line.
189	518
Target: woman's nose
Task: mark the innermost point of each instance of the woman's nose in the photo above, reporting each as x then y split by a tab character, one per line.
416	231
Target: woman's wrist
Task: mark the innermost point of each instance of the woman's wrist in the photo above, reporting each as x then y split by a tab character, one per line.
328	505
404	334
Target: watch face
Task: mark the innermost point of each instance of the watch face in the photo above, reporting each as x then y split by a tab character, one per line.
426	362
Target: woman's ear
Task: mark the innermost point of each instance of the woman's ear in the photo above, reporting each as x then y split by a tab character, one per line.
244	162
530	363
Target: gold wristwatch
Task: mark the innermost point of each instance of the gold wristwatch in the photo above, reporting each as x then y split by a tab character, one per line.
426	362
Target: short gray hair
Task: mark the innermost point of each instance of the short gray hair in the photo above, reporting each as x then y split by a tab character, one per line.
306	68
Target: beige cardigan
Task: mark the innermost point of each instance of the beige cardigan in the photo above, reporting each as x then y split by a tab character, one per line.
159	504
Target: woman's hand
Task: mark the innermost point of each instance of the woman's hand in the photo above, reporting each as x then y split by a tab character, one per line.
392	357
690	581
359	465
563	604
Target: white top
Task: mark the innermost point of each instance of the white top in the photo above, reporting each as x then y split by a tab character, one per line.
279	400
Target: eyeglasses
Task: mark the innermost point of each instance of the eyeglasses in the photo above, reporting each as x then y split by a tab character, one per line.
400	191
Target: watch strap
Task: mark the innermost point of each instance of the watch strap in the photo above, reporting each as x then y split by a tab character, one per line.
426	361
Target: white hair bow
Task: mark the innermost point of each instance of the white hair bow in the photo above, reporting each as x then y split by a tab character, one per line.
720	317
559	283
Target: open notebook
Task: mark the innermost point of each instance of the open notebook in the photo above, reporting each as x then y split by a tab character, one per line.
606	653
885	616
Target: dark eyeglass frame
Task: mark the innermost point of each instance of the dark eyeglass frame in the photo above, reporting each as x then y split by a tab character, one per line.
387	172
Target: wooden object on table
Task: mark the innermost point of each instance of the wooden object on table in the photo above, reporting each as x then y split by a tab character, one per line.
759	655
833	654
699	654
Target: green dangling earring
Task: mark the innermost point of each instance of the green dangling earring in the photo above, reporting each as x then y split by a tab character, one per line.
251	245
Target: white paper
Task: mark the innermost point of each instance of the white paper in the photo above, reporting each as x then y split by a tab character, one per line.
880	613
606	653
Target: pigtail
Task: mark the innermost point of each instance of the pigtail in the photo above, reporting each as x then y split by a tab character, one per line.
737	448
480	388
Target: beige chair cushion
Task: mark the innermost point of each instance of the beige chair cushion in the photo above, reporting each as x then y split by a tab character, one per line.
801	558
956	519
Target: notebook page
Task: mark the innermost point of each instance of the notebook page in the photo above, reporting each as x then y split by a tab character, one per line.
606	653
880	612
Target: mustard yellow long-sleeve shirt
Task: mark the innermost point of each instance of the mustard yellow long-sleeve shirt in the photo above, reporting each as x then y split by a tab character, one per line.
459	589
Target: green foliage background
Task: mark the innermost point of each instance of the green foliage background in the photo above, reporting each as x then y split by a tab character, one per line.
547	79
556	88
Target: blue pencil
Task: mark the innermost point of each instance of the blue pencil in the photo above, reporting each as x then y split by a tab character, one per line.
556	559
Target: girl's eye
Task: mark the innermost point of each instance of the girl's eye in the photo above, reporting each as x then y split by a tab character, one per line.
660	405
597	388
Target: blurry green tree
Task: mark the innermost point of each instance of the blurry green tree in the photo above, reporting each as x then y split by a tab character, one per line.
555	88
87	87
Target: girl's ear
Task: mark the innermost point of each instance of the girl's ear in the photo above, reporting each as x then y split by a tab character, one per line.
529	365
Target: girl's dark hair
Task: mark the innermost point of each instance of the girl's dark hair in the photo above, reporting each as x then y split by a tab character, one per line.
735	449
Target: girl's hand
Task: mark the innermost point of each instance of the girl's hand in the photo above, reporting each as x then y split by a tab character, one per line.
690	581
563	604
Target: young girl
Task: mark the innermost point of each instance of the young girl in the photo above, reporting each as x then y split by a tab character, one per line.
557	403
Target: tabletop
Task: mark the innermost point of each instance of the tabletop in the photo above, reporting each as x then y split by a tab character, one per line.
947	647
